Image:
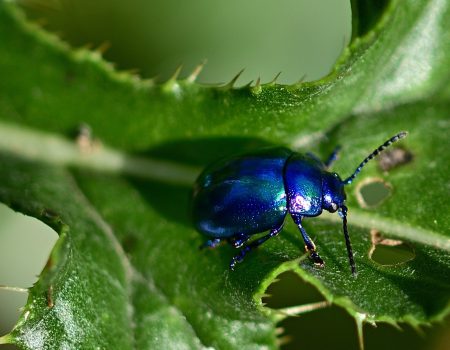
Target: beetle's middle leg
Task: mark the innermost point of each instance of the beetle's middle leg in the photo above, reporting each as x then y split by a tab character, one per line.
238	240
240	257
309	244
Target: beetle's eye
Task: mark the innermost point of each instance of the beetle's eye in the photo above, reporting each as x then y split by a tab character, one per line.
334	206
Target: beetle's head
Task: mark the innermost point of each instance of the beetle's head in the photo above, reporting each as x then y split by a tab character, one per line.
333	194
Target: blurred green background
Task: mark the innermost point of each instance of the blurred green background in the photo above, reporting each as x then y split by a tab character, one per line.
265	37
300	38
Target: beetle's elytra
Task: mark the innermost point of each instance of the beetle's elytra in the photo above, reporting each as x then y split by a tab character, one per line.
238	197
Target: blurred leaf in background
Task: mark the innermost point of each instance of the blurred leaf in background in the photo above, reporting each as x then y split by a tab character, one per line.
297	38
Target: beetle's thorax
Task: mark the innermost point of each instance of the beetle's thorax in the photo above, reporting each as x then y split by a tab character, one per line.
333	194
303	185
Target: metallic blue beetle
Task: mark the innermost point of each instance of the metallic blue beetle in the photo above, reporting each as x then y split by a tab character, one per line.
238	197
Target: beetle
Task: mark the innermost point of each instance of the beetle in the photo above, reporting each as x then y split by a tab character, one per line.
241	196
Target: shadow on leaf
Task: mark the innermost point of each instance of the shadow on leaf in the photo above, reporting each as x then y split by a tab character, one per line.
173	201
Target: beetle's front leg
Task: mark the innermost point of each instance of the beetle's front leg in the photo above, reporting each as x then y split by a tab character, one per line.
309	244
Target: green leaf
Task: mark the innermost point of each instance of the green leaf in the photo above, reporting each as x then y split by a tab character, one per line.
126	271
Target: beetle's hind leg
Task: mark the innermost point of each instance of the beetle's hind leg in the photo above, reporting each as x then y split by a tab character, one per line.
240	257
211	243
309	244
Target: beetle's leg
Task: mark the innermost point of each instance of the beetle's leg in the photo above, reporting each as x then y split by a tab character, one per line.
238	240
211	243
240	257
309	244
333	156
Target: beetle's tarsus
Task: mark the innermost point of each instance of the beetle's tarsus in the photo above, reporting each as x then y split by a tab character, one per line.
316	259
232	264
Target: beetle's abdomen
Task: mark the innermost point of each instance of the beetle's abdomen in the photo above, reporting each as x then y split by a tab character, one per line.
303	182
241	195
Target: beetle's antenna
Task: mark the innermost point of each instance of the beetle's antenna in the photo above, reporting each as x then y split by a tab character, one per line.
343	215
393	139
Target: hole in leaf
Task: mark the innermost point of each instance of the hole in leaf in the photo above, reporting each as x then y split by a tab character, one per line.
388	252
393	255
371	11
372	192
322	328
393	158
25	244
279	293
